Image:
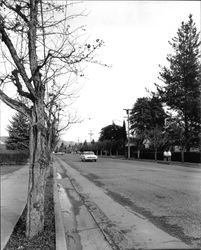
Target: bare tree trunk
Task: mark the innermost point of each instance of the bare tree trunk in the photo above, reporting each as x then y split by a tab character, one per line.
39	162
138	154
182	155
49	147
155	154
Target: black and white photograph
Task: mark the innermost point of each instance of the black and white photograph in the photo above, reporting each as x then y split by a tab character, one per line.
100	124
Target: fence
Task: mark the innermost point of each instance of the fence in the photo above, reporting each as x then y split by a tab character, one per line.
194	157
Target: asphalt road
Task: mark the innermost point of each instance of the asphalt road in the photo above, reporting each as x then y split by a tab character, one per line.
168	195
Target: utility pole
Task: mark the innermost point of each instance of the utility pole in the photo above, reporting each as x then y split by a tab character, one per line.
90	134
200	96
128	118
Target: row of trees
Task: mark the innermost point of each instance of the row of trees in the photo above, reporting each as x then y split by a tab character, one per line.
179	123
171	116
112	141
41	57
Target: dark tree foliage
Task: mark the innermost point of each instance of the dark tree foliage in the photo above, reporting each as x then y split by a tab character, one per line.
174	133
18	133
147	113
181	91
62	147
113	132
114	137
147	122
124	135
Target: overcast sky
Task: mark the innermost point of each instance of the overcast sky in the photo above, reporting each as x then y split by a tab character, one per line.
136	35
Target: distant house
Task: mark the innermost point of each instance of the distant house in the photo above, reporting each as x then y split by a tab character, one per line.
133	143
146	143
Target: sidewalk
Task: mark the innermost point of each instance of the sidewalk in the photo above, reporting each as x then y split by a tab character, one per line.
14	187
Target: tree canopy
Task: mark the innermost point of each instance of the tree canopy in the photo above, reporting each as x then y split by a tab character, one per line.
147	121
181	89
113	132
147	113
18	131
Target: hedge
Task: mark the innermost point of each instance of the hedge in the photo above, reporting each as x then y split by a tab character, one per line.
194	157
10	157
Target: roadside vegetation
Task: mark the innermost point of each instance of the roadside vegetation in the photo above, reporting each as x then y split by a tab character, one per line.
8	169
8	157
168	118
44	240
18	131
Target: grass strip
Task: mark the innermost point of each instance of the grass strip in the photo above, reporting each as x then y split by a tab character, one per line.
46	239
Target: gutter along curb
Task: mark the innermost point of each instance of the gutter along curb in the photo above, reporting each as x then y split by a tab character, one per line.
59	226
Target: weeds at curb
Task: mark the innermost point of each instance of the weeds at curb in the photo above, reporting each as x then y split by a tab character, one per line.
44	240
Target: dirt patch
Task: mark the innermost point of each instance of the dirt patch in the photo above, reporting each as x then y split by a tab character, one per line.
159	221
46	239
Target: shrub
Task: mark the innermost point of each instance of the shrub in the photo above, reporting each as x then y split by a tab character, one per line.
194	157
13	157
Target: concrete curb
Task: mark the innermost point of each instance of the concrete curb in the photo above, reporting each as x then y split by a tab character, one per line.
59	226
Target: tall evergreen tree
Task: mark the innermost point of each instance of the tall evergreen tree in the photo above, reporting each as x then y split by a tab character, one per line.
124	135
181	91
18	133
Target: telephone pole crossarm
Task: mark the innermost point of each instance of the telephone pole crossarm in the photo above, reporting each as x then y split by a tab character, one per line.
90	134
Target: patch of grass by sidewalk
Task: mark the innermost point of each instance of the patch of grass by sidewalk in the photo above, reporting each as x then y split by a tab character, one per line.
8	169
46	239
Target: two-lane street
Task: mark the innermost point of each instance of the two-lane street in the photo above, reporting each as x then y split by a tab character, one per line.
168	195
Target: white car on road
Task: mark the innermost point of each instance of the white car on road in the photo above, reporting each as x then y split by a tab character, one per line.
88	156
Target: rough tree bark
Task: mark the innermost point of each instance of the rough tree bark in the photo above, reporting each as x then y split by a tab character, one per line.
23	21
39	161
